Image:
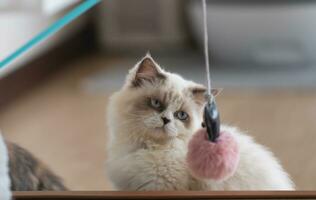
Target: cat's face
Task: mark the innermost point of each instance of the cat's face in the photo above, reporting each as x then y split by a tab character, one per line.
155	104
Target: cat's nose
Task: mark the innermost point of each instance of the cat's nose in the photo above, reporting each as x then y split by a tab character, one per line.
165	120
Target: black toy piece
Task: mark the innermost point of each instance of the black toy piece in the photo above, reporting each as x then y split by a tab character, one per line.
211	120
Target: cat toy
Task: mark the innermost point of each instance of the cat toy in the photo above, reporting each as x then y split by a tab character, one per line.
212	153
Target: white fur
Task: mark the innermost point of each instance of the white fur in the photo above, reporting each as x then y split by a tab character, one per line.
139	161
5	193
258	168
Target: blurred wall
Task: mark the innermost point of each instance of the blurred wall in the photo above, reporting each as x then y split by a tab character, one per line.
141	25
21	20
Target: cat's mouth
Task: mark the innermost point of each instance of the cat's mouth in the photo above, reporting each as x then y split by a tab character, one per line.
168	131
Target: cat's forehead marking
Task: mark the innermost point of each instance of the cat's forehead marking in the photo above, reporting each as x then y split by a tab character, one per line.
173	98
176	99
174	91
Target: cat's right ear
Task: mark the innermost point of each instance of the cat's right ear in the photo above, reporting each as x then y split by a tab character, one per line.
199	92
147	71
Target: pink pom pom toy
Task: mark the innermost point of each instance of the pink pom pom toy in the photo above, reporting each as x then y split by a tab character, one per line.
216	160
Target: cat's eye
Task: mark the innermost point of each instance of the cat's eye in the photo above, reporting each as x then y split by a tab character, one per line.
181	115
155	103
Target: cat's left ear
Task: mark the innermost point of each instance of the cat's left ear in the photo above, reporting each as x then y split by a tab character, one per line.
199	92
147	71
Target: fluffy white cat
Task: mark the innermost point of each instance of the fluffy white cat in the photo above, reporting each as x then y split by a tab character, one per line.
151	120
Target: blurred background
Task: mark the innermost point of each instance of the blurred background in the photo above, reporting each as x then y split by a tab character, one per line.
53	99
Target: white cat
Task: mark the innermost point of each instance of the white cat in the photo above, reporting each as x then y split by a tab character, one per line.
5	193
151	120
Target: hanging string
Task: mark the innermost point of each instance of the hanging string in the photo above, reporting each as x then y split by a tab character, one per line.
207	64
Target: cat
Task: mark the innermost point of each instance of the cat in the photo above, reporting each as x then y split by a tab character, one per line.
150	121
5	193
27	173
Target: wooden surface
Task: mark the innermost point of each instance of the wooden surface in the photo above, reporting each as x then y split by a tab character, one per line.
165	195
